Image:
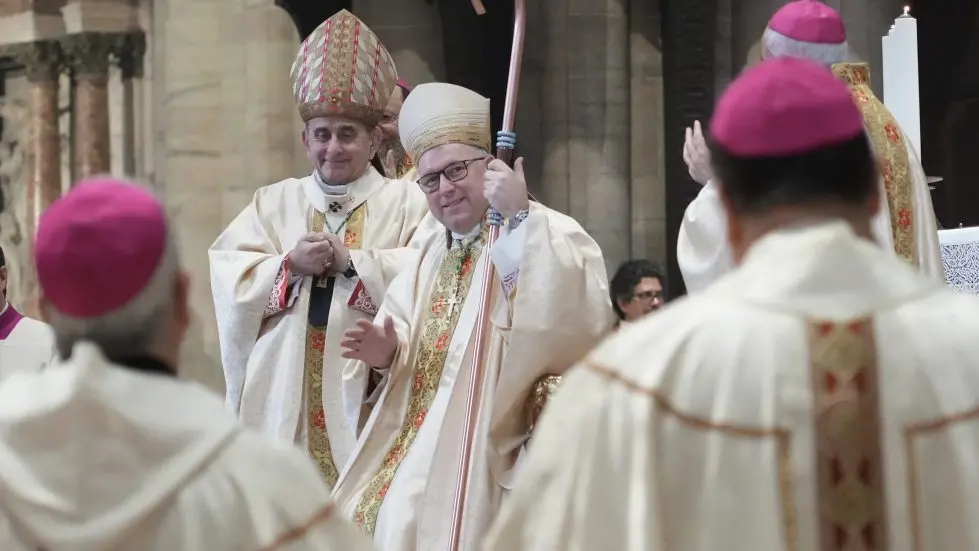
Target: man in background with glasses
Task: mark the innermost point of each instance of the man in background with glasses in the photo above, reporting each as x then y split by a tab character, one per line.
550	305
636	289
311	256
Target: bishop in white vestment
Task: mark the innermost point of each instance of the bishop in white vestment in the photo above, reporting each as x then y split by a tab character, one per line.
108	448
824	395
311	256
906	222
25	344
549	306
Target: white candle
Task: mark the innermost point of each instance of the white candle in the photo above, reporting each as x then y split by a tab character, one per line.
901	94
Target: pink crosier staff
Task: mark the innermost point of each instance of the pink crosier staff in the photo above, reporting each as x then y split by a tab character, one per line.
506	140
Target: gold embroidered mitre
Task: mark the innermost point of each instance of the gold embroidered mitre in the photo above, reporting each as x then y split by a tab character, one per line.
343	69
438	113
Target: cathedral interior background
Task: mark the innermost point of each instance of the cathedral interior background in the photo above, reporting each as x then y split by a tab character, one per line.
193	97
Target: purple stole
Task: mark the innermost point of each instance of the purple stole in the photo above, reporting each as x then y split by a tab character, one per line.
8	320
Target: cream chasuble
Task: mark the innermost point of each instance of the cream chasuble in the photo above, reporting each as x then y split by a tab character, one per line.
95	456
551	308
26	345
824	396
279	348
905	224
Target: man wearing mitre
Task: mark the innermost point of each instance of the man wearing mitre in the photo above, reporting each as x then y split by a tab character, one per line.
25	344
549	306
823	395
109	448
809	29
311	256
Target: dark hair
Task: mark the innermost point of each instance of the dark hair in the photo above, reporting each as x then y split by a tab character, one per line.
629	274
841	173
3	259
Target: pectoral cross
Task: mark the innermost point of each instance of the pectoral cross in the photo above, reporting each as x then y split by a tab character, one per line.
452	303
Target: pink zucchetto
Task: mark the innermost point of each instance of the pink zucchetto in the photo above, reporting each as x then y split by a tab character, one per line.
809	21
99	246
784	106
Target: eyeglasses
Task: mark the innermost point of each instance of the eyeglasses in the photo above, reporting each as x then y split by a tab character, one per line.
649	295
453	172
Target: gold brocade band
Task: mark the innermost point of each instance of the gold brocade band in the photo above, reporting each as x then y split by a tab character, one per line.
541	393
316	422
892	155
441	317
851	507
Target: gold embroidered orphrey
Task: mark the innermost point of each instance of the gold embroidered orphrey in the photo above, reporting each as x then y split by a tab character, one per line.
851	502
892	155
316	421
451	286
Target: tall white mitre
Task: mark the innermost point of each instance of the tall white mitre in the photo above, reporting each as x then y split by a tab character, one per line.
438	113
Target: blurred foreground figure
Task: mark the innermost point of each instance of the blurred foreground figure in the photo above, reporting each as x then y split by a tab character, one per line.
109	449
905	223
25	344
822	396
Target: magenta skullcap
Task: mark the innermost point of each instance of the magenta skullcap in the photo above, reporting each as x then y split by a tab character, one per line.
98	247
809	21
784	106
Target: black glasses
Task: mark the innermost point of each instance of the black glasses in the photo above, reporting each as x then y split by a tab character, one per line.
649	295
453	172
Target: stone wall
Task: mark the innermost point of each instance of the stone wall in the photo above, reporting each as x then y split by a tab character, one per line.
224	124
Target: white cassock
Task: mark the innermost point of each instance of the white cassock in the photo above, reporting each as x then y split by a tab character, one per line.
96	456
272	351
823	396
26	345
704	255
551	308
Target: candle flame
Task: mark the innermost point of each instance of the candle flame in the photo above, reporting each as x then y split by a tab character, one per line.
907	10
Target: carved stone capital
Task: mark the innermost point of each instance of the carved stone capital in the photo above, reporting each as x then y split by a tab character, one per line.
128	55
88	54
41	59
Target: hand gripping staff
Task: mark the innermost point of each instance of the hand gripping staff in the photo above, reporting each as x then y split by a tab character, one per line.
506	140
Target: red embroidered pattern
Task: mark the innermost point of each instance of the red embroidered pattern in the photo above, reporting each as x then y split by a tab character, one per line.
361	301
851	505
279	299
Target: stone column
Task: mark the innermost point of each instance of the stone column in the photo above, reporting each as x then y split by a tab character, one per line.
585	118
128	56
87	54
42	148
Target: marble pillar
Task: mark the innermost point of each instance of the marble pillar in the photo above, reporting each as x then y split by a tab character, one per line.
88	54
129	58
41	157
42	63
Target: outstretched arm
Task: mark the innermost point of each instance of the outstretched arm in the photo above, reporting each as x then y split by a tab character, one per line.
702	249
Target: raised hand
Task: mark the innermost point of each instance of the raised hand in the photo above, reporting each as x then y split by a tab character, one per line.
697	155
505	187
374	345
